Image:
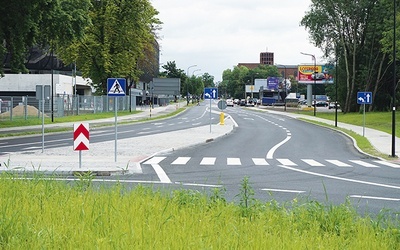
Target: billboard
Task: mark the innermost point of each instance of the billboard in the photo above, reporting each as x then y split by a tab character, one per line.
271	83
319	74
166	86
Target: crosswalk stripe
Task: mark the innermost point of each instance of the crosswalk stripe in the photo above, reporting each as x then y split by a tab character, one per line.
233	161
339	163
260	161
364	164
389	164
154	160
208	161
181	161
313	163
286	162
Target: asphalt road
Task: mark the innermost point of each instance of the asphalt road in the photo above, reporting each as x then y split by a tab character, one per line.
284	159
194	117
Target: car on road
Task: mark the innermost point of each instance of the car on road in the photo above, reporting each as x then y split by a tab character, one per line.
242	102
229	102
333	105
320	104
249	103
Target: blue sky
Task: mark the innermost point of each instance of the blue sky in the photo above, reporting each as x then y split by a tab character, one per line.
218	34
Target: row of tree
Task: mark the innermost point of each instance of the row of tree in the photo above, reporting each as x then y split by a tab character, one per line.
191	85
105	38
357	36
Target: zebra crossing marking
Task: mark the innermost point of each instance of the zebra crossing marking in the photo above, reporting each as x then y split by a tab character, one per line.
181	161
339	163
208	161
389	164
236	161
233	161
286	162
364	164
154	160
313	163
260	161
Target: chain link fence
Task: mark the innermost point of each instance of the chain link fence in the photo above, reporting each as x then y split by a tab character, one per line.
28	107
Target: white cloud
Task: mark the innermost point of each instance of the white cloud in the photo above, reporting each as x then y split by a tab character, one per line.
218	34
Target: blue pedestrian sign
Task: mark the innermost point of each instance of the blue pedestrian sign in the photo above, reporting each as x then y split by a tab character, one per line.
364	97
116	86
210	93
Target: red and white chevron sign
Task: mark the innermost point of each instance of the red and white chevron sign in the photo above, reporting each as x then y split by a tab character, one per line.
81	136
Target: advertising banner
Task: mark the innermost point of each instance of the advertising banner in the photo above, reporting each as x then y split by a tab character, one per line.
319	74
273	83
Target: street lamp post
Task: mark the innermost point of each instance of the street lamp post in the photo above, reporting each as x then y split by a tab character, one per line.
187	83
315	79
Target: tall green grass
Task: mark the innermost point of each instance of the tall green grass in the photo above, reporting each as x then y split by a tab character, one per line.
45	214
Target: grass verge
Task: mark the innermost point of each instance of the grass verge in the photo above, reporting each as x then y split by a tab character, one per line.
45	214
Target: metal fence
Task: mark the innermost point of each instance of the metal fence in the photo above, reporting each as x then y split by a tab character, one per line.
28	107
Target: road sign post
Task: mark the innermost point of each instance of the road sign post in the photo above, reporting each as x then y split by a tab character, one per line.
81	139
116	87
210	93
364	98
42	93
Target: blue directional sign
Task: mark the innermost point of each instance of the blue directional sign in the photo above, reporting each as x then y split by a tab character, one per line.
210	93
364	97
116	86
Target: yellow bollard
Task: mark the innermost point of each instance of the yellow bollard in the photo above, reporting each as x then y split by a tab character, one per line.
221	118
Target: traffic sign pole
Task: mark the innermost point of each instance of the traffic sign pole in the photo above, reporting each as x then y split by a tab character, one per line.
210	115
116	87
364	121
116	129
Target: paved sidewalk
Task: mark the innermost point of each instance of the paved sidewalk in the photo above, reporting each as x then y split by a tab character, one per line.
100	159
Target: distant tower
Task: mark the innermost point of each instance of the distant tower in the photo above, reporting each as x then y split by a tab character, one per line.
267	58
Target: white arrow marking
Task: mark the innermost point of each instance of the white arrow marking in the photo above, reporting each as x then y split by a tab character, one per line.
368	96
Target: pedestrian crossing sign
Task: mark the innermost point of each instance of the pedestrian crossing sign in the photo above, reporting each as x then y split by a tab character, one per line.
116	86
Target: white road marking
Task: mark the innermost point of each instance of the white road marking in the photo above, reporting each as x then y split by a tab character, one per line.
161	173
341	178
181	161
364	164
270	154
233	161
374	198
283	190
313	163
388	164
286	162
260	161
339	163
154	160
208	161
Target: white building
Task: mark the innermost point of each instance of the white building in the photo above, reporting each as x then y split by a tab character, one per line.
25	84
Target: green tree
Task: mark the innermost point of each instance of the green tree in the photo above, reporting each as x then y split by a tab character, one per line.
171	71
119	34
236	79
351	31
48	23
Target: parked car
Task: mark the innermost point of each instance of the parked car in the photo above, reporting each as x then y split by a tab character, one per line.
242	102
236	101
249	103
332	105
320	104
229	102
